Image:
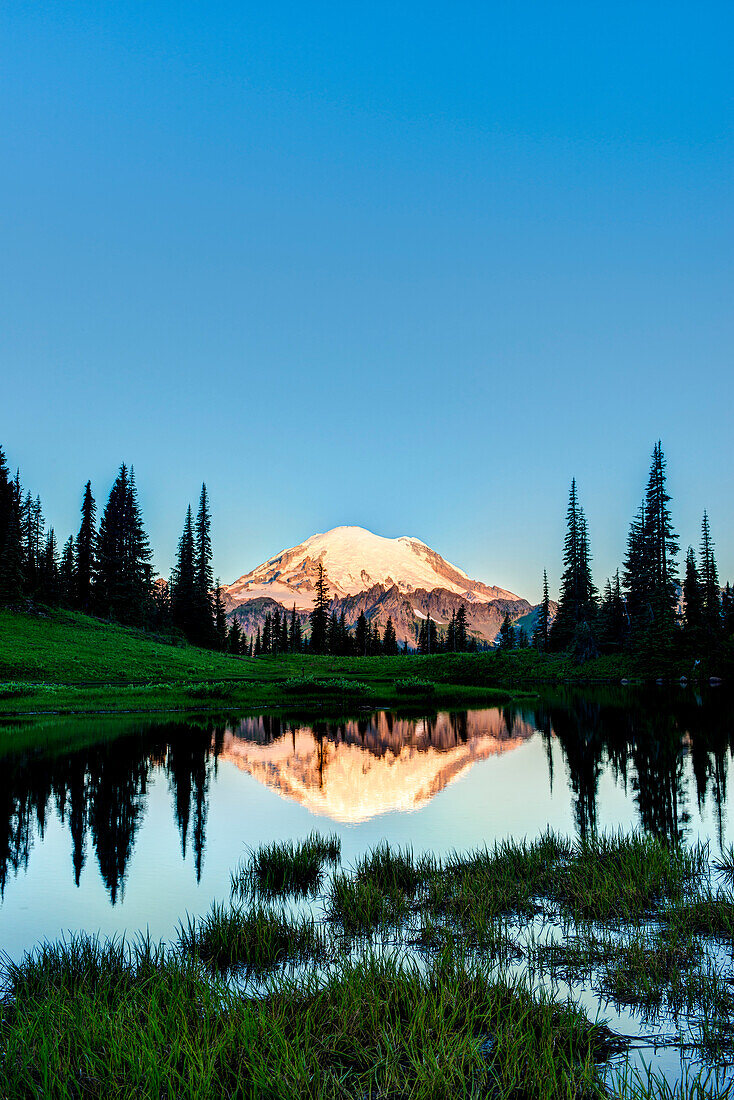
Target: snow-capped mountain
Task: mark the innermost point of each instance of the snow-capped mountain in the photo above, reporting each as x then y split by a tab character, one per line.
355	561
402	579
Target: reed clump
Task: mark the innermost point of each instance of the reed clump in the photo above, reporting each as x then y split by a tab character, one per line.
231	937
286	868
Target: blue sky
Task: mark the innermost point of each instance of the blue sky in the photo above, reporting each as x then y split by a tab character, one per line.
405	266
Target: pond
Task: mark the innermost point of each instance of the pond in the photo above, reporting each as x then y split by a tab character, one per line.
143	820
132	831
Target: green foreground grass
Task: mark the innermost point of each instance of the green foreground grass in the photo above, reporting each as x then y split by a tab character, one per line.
403	987
66	663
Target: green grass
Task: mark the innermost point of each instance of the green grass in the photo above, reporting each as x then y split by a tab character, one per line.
94	1019
283	869
66	663
232	937
430	1011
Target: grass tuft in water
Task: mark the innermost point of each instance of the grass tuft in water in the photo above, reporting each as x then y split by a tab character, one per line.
282	869
230	937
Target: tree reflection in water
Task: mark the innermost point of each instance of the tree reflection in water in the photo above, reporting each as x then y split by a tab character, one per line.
100	792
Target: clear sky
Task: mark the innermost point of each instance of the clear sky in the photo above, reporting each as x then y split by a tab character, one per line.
407	266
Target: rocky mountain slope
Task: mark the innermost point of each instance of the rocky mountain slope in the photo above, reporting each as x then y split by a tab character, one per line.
400	578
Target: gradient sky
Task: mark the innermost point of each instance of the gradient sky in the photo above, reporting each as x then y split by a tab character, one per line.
404	266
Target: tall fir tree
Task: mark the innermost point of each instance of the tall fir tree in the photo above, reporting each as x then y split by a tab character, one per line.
390	641
577	603
542	624
320	615
460	627
693	617
203	576
360	635
220	618
661	541
295	640
67	574
124	575
183	582
710	590
85	552
11	570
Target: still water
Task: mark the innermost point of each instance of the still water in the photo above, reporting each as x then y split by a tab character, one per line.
134	830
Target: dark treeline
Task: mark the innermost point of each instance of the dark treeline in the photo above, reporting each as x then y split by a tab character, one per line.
105	569
646	607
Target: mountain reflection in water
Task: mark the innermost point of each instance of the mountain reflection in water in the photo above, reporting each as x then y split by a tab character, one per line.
352	771
667	751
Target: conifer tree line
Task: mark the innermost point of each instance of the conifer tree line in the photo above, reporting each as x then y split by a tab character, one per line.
646	606
105	569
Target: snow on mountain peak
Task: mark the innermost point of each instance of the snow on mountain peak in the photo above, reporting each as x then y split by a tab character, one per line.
355	560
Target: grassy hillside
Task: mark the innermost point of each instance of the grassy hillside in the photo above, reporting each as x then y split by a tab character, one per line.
61	662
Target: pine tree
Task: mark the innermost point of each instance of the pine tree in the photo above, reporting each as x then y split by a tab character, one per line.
86	552
507	633
693	600
577	603
183	582
234	638
333	636
266	642
637	578
612	615
661	541
295	641
460	628
320	615
203	576
542	625
258	645
360	635
11	572
451	634
727	610
67	574
124	576
220	618
49	587
711	594
390	641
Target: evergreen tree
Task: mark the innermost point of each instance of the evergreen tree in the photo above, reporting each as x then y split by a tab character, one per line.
124	578
258	646
234	638
711	594
183	582
638	578
542	625
283	640
507	637
49	587
295	641
521	638
390	641
612	615
451	634
320	615
203	576
460	629
661	542
333	636
11	571
693	600
360	635
67	574
220	618
577	602
266	642
86	552
728	611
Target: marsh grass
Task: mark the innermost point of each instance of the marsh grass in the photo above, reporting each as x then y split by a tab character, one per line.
427	1011
231	937
378	1027
286	868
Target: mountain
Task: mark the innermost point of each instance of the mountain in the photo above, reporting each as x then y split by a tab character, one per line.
401	578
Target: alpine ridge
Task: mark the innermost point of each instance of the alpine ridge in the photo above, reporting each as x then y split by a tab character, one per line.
401	578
